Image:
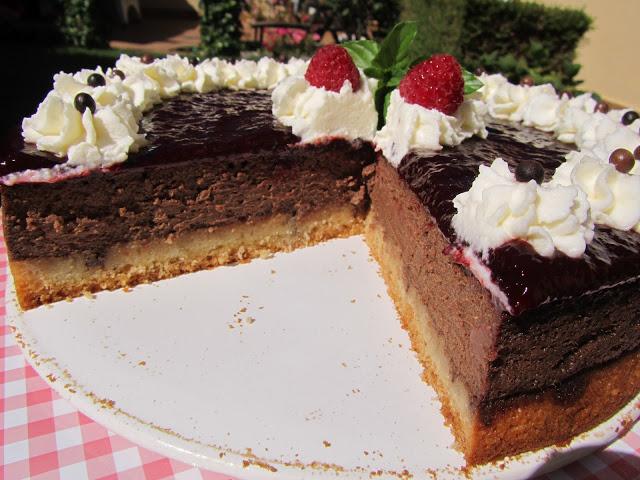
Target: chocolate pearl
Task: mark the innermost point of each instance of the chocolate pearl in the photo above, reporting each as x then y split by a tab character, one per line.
629	117
636	153
479	71
529	170
194	61
602	107
527	81
84	101
96	80
147	58
622	159
119	73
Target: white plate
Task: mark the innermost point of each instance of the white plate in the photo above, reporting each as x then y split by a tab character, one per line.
284	368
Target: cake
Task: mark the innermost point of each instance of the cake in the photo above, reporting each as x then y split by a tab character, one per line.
529	332
252	192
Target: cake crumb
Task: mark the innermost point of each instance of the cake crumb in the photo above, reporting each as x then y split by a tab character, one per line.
142	363
353	300
326	444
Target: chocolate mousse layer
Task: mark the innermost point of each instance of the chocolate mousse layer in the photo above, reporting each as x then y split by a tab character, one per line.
568	315
212	160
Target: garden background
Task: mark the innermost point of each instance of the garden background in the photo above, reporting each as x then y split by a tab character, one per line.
582	47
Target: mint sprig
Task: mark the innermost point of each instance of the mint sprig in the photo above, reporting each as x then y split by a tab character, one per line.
471	82
389	61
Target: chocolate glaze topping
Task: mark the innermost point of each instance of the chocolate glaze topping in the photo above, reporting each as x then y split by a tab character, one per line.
227	122
527	279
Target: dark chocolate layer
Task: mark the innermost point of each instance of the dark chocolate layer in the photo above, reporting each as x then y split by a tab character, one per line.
527	279
554	344
234	164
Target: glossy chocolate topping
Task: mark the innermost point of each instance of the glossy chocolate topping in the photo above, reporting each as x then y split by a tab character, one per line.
227	122
527	279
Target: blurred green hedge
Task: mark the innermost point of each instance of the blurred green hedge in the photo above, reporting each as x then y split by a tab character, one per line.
84	23
516	38
220	27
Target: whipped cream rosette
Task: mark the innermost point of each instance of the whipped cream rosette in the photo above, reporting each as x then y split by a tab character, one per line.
414	127
313	113
498	208
91	139
613	196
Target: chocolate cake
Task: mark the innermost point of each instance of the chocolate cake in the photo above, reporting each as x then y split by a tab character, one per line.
562	361
529	354
232	186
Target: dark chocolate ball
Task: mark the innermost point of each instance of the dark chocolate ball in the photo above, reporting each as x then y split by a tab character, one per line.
622	159
147	58
629	117
527	81
194	61
636	153
84	101
529	170
119	73
602	107
479	71
96	80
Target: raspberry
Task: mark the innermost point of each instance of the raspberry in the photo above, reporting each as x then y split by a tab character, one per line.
330	67
436	83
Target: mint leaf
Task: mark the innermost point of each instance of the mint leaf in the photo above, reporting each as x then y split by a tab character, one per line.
395	46
387	101
381	100
374	72
362	52
395	80
471	82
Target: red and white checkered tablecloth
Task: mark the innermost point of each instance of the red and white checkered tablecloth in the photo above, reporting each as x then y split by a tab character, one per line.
44	437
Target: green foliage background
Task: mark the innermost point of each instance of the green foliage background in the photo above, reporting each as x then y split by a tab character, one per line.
440	24
220	27
353	16
516	38
83	23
